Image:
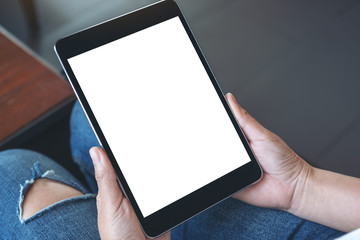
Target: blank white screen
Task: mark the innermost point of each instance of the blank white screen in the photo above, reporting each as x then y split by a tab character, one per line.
160	114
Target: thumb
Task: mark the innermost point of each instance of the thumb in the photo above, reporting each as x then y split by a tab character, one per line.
109	193
116	219
252	129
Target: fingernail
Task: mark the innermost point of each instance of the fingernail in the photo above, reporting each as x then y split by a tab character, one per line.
233	99
95	156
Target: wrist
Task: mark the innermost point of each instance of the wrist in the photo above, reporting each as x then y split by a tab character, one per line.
303	189
327	198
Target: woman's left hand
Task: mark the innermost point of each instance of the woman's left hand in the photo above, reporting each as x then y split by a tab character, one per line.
116	218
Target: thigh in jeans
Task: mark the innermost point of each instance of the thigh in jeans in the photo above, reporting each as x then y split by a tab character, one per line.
70	218
82	138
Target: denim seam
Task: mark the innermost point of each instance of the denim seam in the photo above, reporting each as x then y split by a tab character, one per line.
296	230
84	166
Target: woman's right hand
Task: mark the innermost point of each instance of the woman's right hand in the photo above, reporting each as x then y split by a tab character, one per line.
284	172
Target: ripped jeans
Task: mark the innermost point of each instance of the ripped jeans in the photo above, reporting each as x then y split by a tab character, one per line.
76	217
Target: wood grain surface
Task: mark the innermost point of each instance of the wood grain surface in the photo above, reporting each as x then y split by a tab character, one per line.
28	89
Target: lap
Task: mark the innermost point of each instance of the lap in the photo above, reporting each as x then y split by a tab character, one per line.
233	219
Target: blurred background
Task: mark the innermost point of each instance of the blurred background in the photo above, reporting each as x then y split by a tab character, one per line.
293	65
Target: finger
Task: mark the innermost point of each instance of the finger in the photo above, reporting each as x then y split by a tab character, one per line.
109	192
252	129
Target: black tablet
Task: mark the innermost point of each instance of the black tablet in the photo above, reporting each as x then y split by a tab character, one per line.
159	113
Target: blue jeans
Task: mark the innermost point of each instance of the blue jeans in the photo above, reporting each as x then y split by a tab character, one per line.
76	217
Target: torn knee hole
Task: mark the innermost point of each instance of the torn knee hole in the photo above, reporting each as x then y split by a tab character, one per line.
43	193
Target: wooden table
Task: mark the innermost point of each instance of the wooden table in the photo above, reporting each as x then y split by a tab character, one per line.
31	94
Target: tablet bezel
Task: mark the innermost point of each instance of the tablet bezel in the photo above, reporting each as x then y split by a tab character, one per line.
203	198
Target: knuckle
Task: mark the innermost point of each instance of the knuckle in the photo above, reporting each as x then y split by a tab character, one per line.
99	176
98	197
124	209
246	113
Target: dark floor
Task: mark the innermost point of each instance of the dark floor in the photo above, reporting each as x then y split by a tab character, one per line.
294	65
